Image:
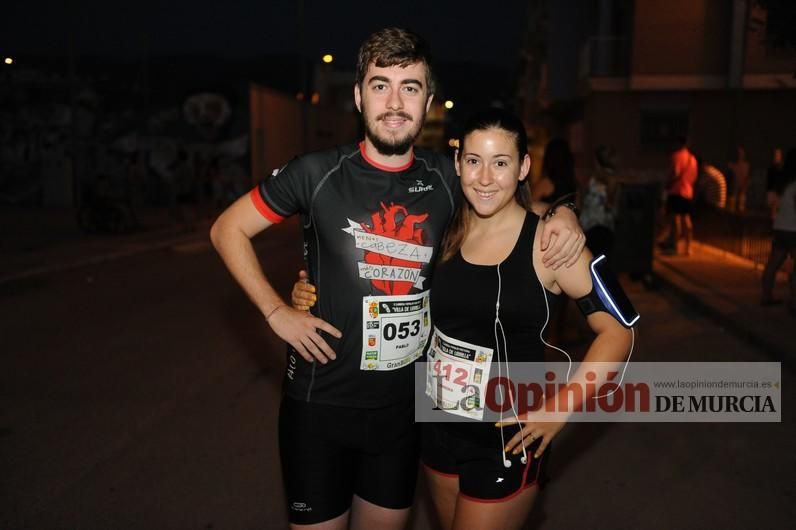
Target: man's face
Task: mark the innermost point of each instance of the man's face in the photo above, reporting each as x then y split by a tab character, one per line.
393	102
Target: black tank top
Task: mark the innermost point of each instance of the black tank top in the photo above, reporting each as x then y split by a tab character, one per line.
464	295
463	307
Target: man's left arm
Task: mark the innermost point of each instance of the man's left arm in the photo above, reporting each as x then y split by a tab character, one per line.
562	237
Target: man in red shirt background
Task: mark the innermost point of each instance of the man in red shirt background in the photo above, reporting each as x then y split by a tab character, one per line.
680	197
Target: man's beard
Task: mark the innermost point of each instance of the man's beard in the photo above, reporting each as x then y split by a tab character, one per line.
393	145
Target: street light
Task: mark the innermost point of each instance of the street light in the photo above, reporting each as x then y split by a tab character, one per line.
328	58
448	104
9	60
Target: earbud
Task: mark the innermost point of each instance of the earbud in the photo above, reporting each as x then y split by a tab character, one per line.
524	459
506	463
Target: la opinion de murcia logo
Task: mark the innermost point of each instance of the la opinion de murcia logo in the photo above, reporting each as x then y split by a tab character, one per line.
419	188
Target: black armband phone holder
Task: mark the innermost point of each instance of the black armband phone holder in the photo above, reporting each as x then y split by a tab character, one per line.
607	295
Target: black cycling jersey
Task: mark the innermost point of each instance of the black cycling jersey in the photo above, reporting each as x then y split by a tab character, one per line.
369	232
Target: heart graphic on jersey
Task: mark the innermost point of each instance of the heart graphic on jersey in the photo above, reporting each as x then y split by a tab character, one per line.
396	223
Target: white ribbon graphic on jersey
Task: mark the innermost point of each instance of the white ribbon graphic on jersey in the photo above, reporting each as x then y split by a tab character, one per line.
393	248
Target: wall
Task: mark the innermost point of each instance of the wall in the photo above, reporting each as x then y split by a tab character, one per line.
277	131
766	119
681	37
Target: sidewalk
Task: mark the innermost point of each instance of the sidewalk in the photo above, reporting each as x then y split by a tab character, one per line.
36	241
727	289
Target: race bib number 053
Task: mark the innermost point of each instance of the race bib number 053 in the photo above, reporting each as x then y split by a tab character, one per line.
457	374
394	330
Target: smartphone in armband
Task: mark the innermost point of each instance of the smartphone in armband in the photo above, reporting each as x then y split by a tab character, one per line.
607	295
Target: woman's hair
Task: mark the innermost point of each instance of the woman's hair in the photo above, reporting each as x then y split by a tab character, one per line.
484	120
394	47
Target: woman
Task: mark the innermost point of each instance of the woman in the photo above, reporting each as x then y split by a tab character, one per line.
494	242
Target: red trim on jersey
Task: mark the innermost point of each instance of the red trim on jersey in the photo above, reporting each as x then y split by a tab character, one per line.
375	164
263	208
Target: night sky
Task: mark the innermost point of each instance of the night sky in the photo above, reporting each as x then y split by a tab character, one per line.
459	31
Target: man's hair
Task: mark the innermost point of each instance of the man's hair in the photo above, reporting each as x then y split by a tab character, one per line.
394	47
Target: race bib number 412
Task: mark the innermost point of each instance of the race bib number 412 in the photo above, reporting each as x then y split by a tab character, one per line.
394	330
457	374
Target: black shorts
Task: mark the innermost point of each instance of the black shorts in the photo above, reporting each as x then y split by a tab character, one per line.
677	204
479	466
330	453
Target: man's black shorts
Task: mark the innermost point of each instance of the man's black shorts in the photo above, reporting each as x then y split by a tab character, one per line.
676	204
479	466
330	453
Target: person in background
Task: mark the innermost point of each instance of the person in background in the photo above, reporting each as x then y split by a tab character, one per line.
680	198
741	175
774	178
596	203
784	243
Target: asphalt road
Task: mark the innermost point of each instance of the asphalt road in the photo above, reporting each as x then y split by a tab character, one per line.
142	394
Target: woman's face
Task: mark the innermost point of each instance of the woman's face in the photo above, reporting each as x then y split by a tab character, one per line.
490	170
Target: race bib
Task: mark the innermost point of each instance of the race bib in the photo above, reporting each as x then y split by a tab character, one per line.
394	330
457	374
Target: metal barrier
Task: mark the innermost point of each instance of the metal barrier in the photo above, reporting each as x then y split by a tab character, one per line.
746	234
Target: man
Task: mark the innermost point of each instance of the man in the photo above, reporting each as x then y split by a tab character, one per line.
373	216
680	198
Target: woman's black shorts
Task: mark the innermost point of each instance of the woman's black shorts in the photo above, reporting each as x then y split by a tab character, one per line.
479	463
